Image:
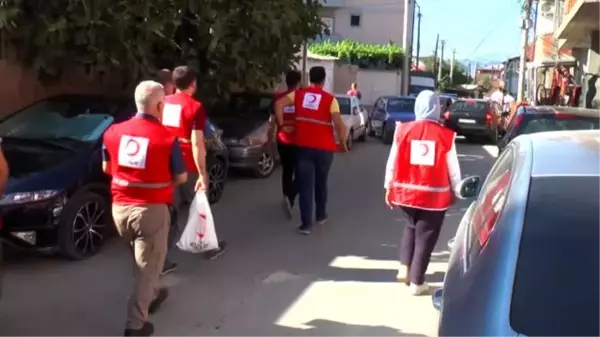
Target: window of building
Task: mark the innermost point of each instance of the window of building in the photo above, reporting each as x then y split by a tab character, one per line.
355	20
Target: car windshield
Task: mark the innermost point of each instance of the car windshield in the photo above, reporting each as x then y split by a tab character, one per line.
59	119
469	106
555	290
544	123
401	105
345	105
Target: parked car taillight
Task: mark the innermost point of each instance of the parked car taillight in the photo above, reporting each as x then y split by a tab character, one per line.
447	115
488	118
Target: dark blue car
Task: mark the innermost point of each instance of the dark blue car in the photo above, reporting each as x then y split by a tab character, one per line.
386	112
57	197
524	261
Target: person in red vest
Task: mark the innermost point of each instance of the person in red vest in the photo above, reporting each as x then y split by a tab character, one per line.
185	118
145	163
354	91
285	147
317	116
422	178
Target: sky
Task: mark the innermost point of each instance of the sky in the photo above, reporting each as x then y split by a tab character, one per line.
479	30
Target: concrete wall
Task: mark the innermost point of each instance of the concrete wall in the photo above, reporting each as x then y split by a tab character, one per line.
375	83
345	75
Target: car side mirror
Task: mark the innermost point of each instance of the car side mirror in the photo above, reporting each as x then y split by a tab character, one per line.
469	187
355	111
450	243
437	298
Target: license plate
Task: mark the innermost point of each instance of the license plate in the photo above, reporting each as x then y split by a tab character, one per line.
466	121
376	124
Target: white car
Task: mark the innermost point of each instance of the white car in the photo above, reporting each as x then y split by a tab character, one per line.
354	116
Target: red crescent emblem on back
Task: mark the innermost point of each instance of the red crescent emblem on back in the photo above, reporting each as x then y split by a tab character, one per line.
132	147
425	149
313	98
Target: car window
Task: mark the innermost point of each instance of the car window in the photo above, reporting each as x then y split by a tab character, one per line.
401	105
489	204
345	105
60	118
469	106
542	123
247	104
555	290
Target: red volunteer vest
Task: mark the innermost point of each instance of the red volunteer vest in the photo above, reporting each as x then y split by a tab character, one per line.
139	151
314	128
178	117
285	135
421	178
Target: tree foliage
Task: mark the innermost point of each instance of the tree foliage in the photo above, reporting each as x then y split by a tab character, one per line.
364	55
460	75
231	42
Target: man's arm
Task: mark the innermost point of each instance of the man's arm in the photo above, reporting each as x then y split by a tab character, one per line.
105	160
176	165
198	146
336	117
3	172
454	169
390	166
280	105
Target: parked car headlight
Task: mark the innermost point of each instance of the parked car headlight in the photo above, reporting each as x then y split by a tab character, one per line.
25	197
256	137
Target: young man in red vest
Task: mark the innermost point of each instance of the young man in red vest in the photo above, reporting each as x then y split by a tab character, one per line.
146	164
185	118
285	147
354	91
422	177
317	112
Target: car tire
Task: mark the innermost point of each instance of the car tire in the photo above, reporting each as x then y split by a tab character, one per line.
363	136
350	140
386	137
265	166
369	130
84	226
216	169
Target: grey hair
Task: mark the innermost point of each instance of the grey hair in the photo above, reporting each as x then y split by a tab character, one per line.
147	93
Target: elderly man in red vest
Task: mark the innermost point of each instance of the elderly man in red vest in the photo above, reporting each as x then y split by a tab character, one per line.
422	177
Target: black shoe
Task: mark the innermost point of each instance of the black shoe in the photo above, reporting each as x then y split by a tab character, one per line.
322	221
168	267
215	253
161	296
304	230
146	330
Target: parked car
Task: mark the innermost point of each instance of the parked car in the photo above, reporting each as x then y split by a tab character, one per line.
244	121
217	161
524	261
57	197
532	119
386	112
475	118
354	116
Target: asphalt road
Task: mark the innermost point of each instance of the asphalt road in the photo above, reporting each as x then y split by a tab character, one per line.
339	281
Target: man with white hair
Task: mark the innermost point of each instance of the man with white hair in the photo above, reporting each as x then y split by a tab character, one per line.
145	163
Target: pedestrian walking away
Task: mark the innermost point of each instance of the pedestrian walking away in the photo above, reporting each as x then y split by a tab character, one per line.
354	91
165	77
145	163
422	178
317	112
185	118
285	145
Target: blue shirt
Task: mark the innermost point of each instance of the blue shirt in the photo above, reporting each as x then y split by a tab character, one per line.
176	164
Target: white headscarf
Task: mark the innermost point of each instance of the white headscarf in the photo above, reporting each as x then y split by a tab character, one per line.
427	106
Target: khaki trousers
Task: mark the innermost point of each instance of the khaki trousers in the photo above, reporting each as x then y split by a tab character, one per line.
145	228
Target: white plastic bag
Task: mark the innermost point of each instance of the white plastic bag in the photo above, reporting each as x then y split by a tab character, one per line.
199	234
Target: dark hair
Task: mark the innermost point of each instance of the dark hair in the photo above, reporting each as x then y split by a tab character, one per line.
316	75
164	76
183	77
292	78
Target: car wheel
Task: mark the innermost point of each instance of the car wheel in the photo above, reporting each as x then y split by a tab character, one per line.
265	165
363	136
84	226
370	131
217	175
350	140
386	137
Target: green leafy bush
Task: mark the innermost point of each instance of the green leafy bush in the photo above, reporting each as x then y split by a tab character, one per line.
364	55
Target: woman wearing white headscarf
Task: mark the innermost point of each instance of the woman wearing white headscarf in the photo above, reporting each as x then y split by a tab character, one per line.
422	177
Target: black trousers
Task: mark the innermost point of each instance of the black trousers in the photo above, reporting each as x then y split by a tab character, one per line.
287	156
419	239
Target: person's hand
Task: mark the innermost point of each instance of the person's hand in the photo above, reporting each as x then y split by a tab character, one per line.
388	200
343	147
201	183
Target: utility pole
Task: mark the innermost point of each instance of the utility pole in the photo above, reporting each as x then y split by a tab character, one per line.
452	65
405	65
525	25
435	54
419	15
443	44
304	55
475	73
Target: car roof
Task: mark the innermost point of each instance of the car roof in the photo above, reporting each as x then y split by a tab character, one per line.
397	96
561	110
472	100
343	96
563	153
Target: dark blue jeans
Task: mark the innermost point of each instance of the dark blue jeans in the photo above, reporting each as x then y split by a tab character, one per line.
312	172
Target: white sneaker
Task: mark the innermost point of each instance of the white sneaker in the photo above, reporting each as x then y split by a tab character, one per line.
402	275
417	290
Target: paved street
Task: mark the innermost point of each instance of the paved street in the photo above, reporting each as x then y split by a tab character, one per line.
339	281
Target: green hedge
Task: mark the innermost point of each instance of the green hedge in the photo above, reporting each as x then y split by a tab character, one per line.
364	55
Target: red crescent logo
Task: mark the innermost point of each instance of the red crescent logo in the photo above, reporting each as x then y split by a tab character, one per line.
313	98
425	149
132	147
